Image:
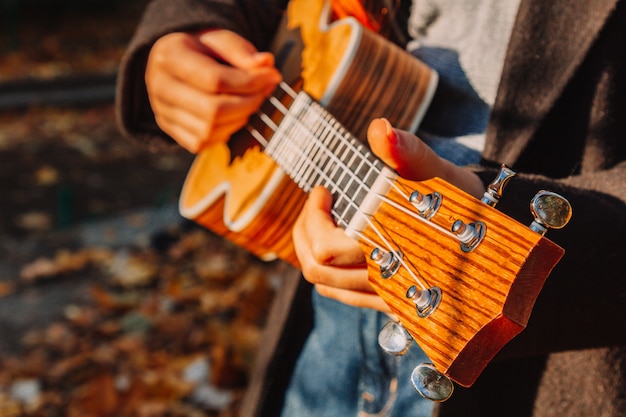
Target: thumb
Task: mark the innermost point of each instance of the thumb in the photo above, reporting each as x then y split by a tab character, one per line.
234	49
414	160
402	151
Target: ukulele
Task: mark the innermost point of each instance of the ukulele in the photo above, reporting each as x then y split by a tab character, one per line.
460	277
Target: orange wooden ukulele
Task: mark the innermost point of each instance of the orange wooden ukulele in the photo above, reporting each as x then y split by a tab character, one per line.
460	276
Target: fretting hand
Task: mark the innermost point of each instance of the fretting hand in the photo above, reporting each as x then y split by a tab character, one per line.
203	87
334	262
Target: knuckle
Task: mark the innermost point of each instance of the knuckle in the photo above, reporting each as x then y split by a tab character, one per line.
215	82
324	291
321	252
312	273
205	134
160	51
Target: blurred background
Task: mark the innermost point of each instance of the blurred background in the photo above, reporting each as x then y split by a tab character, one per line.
110	303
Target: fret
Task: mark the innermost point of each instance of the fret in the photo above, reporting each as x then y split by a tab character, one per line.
314	149
318	151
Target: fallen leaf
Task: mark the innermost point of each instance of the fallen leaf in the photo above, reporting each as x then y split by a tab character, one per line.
34	221
46	175
6	288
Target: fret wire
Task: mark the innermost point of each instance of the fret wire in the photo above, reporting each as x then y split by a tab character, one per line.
284	110
274	145
332	142
311	153
334	136
279	106
319	110
349	147
340	193
349	186
314	149
310	124
329	141
298	136
294	126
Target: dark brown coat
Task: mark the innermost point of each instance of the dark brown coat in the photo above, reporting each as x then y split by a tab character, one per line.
560	121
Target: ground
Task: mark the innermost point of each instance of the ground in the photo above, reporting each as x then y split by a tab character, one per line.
110	303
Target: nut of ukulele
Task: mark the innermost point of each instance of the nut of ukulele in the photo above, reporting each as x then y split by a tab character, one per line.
550	211
430	383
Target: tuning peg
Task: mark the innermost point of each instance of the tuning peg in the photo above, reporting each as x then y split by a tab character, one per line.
394	339
550	211
426	300
470	235
426	205
495	189
430	383
389	262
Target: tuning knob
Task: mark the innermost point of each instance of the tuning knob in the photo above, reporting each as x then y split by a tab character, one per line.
550	211
430	383
394	339
426	300
389	262
495	189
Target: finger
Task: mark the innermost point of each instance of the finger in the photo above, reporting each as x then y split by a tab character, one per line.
355	298
221	108
192	132
183	137
234	49
402	151
415	160
349	279
183	57
328	244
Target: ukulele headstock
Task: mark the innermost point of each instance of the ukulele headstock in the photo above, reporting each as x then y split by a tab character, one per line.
460	276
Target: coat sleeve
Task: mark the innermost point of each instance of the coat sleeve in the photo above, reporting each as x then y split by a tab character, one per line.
583	302
579	151
256	20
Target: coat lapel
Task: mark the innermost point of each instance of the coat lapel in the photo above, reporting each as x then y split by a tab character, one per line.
549	41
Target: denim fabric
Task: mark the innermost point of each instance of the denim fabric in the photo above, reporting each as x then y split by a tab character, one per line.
343	372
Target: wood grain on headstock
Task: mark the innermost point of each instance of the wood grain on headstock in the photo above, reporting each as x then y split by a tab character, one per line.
488	293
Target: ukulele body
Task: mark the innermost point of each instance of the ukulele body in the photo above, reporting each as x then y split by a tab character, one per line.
240	193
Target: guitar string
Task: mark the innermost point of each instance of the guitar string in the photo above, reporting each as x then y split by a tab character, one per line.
350	145
356	151
290	147
419	280
311	137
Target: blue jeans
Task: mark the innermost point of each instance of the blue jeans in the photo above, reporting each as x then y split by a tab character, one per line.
343	372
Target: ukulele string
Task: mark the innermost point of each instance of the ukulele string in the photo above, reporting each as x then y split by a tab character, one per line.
340	219
284	110
311	138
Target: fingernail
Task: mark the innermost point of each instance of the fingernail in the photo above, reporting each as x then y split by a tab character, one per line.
263	58
392	136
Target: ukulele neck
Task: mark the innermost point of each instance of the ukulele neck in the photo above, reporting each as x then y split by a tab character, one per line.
314	149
